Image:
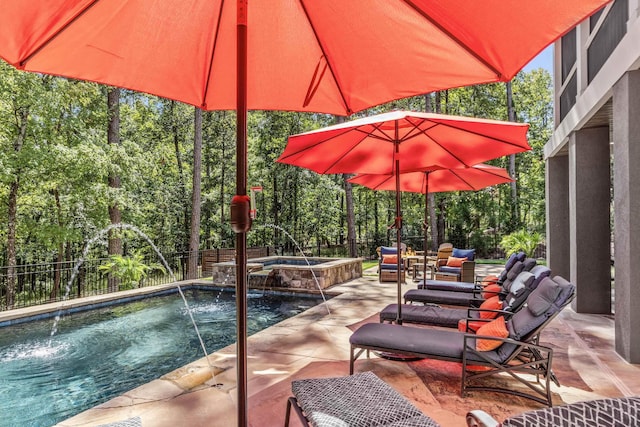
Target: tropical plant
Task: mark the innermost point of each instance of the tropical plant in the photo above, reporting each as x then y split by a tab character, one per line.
130	270
521	240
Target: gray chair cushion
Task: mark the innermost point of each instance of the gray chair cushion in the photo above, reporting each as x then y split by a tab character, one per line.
444	285
426	314
517	268
543	296
513	258
529	263
519	287
360	400
614	412
428	296
436	343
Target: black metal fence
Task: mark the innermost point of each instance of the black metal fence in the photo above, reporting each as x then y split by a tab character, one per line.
43	283
36	284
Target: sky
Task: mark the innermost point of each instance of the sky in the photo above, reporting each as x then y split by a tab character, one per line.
543	60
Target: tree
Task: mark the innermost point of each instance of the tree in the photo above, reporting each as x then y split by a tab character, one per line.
113	137
194	240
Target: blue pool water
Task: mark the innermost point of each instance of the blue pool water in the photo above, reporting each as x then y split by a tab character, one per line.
99	354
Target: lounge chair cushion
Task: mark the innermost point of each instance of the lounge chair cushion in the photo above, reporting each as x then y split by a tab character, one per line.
443	343
617	411
425	314
525	321
449	269
518	287
513	258
496	328
439	297
445	285
540	301
359	400
469	254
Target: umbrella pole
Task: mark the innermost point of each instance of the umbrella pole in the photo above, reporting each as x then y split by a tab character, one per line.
241	193
426	225
398	230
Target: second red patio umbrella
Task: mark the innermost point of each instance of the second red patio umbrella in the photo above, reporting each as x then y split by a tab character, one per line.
404	141
466	179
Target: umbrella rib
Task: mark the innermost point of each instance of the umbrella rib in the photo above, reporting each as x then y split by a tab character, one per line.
457	175
315	144
213	54
60	30
424	132
455	39
345	152
324	54
496	138
418	129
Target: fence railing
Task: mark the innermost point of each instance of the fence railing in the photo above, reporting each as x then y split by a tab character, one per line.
43	283
36	284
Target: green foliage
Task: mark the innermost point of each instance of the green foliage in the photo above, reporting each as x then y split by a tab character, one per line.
521	240
64	163
130	270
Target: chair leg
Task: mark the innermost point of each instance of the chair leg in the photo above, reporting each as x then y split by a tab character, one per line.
293	402
288	414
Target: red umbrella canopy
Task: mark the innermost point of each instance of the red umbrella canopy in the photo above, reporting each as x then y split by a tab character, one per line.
420	141
332	56
466	179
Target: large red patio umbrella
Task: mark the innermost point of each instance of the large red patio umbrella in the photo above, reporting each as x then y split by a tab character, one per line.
466	179
404	141
330	56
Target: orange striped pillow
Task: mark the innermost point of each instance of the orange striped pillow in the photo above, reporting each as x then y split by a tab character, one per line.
495	328
492	303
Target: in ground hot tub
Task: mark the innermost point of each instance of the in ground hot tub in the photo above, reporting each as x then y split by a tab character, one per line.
291	272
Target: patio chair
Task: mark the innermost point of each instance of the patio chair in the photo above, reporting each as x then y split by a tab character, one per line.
475	298
616	411
450	317
510	346
477	284
459	267
388	264
361	400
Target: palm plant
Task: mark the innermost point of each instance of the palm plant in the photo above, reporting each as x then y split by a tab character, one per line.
521	240
130	270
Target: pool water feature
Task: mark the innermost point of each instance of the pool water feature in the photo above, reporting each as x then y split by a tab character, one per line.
99	354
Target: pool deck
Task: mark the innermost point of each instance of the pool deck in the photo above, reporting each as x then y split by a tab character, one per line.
316	344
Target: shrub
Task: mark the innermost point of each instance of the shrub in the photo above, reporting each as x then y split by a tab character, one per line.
522	240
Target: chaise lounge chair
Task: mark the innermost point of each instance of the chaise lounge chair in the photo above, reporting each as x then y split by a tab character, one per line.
450	317
612	412
470	286
437	296
361	400
512	346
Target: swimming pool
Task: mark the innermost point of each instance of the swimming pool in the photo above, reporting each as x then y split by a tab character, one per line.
99	354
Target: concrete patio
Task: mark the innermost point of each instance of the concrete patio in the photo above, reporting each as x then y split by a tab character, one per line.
316	344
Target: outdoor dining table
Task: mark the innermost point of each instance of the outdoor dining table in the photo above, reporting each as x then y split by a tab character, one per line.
415	263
